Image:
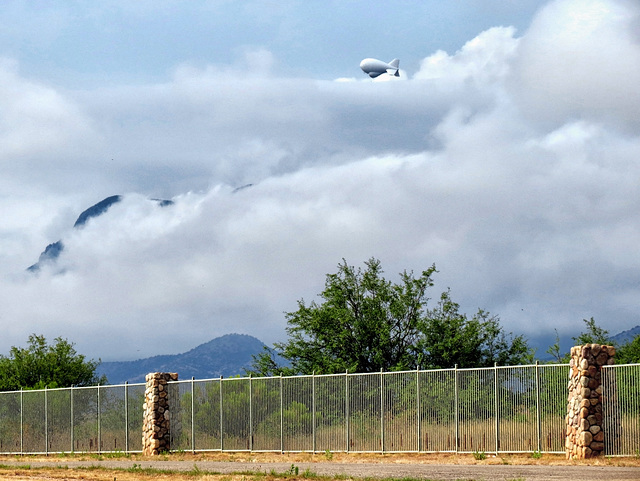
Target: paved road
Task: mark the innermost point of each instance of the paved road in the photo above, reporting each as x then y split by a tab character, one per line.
395	470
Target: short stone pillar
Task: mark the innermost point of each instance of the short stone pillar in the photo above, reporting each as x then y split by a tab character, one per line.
585	437
156	436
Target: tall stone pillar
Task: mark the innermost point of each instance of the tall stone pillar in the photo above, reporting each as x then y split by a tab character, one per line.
585	437
156	437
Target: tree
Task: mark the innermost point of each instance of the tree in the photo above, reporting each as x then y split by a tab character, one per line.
366	323
626	353
593	335
42	365
450	338
554	351
629	353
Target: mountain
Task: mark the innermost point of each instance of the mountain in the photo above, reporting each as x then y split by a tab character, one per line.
53	251
626	336
225	356
96	210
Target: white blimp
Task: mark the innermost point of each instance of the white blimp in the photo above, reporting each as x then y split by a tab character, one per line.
374	67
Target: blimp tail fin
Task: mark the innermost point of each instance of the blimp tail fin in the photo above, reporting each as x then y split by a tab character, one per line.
394	70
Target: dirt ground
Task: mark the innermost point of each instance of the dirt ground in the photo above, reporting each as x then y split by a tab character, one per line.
301	466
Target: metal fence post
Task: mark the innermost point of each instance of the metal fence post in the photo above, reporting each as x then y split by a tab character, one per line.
281	418
496	408
71	415
418	408
126	416
250	413
313	407
21	423
455	395
221	418
381	410
538	417
99	422
346	406
46	422
193	416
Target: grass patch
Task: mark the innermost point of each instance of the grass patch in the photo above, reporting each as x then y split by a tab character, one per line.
536	455
15	466
479	455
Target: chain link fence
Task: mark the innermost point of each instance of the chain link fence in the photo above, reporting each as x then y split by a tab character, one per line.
500	409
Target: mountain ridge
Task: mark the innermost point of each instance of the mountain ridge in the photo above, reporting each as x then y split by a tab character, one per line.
626	336
227	355
53	251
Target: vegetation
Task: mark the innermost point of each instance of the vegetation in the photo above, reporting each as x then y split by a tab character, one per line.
43	365
593	335
450	338
629	353
626	353
366	323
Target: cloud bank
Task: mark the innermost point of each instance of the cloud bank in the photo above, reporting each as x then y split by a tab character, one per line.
512	164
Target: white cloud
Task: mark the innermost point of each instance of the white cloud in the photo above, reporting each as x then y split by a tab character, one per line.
581	59
488	161
483	60
34	118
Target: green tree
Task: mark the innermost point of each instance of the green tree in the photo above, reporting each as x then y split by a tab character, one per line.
593	335
629	352
43	365
450	338
366	323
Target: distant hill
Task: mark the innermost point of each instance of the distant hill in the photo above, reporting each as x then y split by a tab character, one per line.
626	336
226	356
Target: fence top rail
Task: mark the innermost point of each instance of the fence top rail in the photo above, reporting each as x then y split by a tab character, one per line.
613	366
385	373
75	388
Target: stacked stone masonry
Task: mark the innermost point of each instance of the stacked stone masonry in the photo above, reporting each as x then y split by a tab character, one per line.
585	437
156	434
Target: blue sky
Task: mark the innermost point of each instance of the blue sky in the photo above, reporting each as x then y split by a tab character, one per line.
82	44
506	153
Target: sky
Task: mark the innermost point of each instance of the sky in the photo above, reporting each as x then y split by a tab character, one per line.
507	153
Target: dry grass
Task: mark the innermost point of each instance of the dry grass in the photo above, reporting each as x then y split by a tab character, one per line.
417	458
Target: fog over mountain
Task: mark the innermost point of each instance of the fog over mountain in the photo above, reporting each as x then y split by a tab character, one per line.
506	153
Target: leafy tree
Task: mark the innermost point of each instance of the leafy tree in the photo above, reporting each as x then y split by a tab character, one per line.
366	323
626	353
42	365
593	335
629	353
265	364
450	338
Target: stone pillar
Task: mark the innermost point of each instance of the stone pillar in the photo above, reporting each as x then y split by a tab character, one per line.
156	437
585	437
